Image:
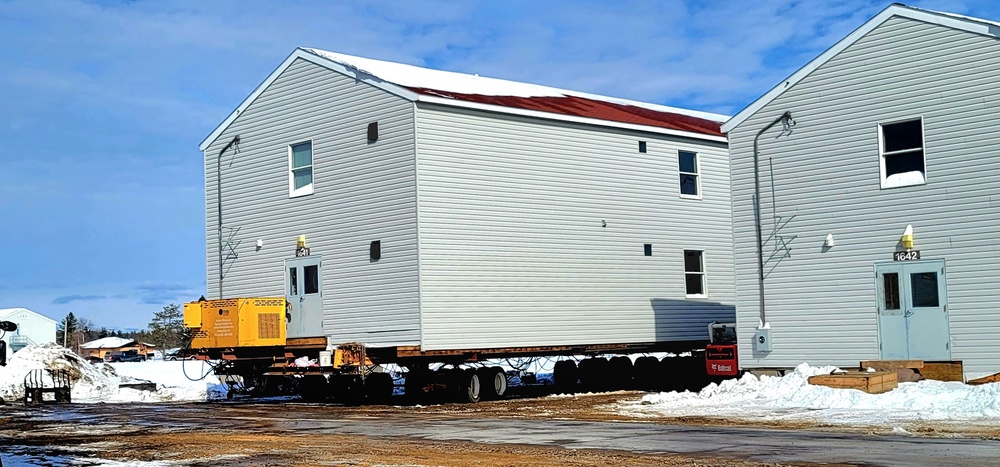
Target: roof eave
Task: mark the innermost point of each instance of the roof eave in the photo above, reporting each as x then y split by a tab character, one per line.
301	53
895	9
567	118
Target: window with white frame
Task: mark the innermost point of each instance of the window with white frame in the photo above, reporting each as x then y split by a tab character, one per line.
694	273
901	153
300	169
687	165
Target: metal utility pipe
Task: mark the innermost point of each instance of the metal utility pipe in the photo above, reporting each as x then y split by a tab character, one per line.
218	198
785	117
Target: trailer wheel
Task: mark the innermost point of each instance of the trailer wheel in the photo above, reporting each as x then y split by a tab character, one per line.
414	384
565	375
645	372
620	373
594	374
499	382
378	388
493	383
313	388
467	383
348	389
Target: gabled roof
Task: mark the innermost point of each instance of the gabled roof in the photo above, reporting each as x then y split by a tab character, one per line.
108	343
966	23
6	312
473	91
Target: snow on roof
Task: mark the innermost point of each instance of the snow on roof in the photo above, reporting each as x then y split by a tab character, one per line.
496	95
5	312
966	23
108	343
504	93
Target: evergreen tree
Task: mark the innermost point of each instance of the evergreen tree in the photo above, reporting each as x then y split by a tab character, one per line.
167	328
66	329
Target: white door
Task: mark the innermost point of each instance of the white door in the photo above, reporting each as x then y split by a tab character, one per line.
304	292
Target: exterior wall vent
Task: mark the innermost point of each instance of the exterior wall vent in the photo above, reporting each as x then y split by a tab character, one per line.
372	132
648	249
376	250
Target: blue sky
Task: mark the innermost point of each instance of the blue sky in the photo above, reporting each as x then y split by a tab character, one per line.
103	104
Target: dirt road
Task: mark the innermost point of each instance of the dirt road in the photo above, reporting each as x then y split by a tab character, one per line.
531	432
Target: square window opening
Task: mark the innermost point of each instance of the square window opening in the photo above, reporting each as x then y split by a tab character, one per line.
901	153
694	273
687	167
300	169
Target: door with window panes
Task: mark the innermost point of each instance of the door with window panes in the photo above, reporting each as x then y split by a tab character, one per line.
913	310
303	289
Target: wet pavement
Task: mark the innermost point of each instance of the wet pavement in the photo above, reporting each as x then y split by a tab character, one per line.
787	446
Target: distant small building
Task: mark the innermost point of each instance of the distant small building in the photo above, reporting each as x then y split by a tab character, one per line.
97	349
32	328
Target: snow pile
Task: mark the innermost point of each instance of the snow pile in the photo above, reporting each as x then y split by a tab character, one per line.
792	398
101	382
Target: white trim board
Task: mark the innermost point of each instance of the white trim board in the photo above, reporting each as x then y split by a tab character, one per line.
965	23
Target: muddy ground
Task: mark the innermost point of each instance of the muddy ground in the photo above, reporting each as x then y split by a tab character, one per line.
283	433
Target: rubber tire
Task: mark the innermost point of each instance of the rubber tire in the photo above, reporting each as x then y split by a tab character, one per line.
348	389
468	385
671	374
645	372
595	374
565	375
413	386
493	383
313	388
499	382
620	373
379	388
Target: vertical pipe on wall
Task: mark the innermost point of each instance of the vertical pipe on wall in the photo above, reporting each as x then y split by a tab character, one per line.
786	118
218	198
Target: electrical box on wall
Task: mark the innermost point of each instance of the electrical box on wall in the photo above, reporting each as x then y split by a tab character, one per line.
762	340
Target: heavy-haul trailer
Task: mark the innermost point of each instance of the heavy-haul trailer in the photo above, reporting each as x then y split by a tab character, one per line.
247	336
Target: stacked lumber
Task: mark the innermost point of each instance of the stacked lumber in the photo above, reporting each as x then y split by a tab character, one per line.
872	382
939	371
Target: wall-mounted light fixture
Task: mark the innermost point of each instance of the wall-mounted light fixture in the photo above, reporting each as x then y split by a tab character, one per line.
260	243
907	238
829	241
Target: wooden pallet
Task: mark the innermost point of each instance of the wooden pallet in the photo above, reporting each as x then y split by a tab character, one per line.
994	378
872	382
940	371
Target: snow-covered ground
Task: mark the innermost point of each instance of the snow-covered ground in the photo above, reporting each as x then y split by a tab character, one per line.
788	398
92	383
792	398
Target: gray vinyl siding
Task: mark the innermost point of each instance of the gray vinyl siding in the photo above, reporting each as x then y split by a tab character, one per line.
512	248
821	302
363	192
